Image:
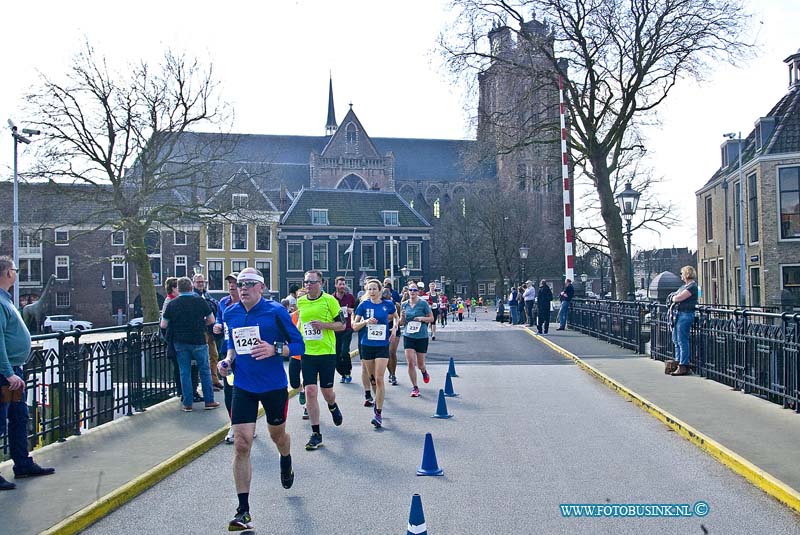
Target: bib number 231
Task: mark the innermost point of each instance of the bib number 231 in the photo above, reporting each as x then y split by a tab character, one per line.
244	338
310	333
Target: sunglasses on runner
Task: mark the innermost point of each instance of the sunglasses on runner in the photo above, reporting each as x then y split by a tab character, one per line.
413	290
310	282
246	284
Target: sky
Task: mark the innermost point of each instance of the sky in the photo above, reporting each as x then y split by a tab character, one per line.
273	60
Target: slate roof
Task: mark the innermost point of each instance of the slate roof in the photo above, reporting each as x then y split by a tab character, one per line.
785	137
415	159
349	209
41	204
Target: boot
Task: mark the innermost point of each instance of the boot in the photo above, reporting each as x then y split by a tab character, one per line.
682	370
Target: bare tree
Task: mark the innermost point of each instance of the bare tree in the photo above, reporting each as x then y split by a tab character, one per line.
623	58
119	139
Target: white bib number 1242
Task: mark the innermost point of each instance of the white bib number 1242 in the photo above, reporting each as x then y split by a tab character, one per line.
310	333
244	338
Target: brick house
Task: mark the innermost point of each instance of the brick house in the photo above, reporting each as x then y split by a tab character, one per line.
769	177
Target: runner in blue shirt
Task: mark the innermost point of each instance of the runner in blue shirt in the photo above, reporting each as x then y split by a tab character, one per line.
371	321
260	333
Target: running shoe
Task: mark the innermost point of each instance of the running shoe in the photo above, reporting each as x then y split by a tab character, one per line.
287	477
393	380
433	337
377	420
305	413
426	377
314	442
415	392
343	379
229	436
369	402
336	414
241	521
349	379
301	397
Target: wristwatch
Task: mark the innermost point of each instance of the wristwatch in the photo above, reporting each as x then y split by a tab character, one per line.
278	348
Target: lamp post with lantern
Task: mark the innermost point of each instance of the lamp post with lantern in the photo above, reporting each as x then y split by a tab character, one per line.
523	256
628	201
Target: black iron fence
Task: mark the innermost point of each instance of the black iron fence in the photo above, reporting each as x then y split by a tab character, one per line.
754	352
81	379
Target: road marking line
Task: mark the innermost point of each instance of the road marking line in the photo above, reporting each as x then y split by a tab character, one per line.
755	475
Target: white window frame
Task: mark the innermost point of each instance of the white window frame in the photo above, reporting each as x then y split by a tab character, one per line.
114	235
267	278
391	218
62	258
207	274
56	241
246	236
239	200
374	254
208	238
408	255
491	288
327	265
291	243
117	262
781	266
481	288
61	304
269	240
233	269
346	244
778	204
185	264
319	217
175	237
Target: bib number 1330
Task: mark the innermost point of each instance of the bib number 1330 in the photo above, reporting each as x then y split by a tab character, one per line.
310	333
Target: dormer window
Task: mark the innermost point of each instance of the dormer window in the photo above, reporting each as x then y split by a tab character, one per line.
391	218
319	216
239	200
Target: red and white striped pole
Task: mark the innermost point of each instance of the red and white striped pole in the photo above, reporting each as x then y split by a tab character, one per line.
569	255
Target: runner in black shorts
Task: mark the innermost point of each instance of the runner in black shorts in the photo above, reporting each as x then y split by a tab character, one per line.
260	334
371	321
416	316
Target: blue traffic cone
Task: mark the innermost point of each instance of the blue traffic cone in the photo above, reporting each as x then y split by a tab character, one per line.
429	467
448	387
441	407
452	369
416	518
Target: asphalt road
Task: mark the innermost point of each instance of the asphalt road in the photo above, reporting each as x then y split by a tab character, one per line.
524	438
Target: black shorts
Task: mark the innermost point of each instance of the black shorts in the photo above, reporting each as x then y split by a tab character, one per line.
244	406
295	367
319	368
435	314
420	345
374	352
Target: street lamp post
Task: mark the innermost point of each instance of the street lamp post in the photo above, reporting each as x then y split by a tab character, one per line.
584	279
628	201
18	138
405	272
740	220
523	256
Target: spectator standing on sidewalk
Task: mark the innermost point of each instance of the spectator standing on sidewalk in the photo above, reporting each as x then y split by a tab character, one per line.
347	304
15	346
199	283
530	300
260	334
320	318
685	300
566	296
543	299
521	304
512	305
188	317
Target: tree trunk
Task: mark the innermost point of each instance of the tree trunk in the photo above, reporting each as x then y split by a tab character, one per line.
137	253
613	223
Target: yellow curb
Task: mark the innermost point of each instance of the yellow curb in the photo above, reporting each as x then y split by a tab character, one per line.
115	499
755	475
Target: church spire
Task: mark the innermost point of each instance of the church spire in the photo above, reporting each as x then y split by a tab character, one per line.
330	126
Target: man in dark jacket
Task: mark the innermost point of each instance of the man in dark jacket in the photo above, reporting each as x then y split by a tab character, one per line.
566	298
543	299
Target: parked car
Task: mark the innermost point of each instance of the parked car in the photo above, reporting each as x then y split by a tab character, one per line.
65	323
